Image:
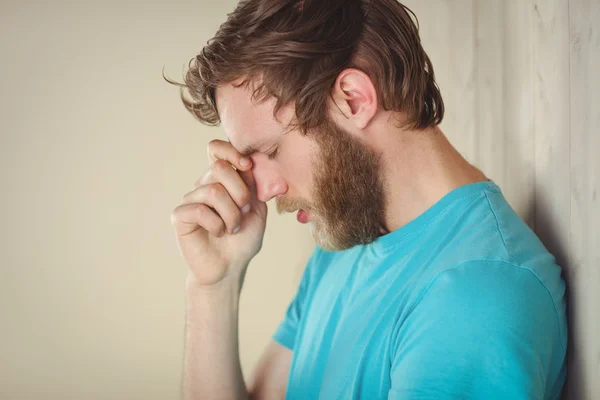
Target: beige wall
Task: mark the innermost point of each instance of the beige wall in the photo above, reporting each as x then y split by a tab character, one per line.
96	151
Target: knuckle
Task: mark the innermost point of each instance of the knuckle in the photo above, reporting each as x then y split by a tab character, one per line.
215	190
213	143
220	166
211	148
187	198
200	181
174	216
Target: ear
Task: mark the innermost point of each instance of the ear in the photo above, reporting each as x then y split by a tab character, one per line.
355	95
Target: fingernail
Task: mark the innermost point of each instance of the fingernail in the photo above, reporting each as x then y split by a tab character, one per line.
244	162
246	208
237	228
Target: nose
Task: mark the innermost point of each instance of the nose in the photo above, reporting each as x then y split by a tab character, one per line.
269	181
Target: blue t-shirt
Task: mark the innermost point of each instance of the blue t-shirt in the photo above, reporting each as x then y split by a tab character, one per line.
463	302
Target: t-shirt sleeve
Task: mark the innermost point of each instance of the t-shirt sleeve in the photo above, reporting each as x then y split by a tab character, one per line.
482	330
286	332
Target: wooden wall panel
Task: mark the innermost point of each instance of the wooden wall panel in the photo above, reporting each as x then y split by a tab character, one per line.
583	274
489	150
447	33
551	116
518	108
521	85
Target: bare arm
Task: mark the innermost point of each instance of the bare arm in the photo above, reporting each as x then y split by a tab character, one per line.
269	381
211	362
219	228
212	368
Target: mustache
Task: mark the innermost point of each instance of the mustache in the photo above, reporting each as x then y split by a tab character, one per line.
287	205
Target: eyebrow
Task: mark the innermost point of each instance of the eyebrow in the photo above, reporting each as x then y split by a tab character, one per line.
247	151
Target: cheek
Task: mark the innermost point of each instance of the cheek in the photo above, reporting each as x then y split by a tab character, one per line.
299	174
298	170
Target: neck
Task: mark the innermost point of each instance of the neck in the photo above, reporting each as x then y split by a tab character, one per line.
420	167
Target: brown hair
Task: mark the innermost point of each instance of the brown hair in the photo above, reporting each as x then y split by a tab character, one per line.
296	49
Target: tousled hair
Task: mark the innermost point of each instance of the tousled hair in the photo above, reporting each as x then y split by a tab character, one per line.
296	49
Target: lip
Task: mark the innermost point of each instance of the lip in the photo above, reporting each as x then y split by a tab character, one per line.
303	216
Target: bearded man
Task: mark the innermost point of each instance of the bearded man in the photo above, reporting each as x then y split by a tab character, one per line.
424	283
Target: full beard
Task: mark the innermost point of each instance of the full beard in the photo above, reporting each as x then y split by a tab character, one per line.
348	207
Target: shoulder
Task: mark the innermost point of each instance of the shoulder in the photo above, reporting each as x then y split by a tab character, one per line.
487	325
497	295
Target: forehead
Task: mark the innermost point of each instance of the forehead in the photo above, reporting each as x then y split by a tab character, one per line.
247	122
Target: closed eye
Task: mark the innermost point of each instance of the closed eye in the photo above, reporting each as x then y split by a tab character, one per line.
273	154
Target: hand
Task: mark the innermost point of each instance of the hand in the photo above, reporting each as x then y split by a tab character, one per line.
206	219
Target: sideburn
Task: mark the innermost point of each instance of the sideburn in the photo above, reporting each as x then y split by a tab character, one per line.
349	189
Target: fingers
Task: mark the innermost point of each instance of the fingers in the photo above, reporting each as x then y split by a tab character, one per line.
248	178
215	196
221	196
222	150
221	172
187	217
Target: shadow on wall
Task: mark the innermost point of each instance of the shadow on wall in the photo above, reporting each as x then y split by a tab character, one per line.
546	231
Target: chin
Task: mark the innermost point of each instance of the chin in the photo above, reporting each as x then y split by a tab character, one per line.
324	239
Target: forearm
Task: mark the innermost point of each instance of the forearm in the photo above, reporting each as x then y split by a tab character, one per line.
212	367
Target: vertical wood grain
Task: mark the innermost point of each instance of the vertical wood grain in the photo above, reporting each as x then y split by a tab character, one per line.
521	83
552	124
583	276
460	58
530	79
489	138
447	33
518	108
551	110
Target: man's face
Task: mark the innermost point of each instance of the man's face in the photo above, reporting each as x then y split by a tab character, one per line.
347	205
329	174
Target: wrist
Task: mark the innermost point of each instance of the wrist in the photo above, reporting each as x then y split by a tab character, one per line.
231	284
